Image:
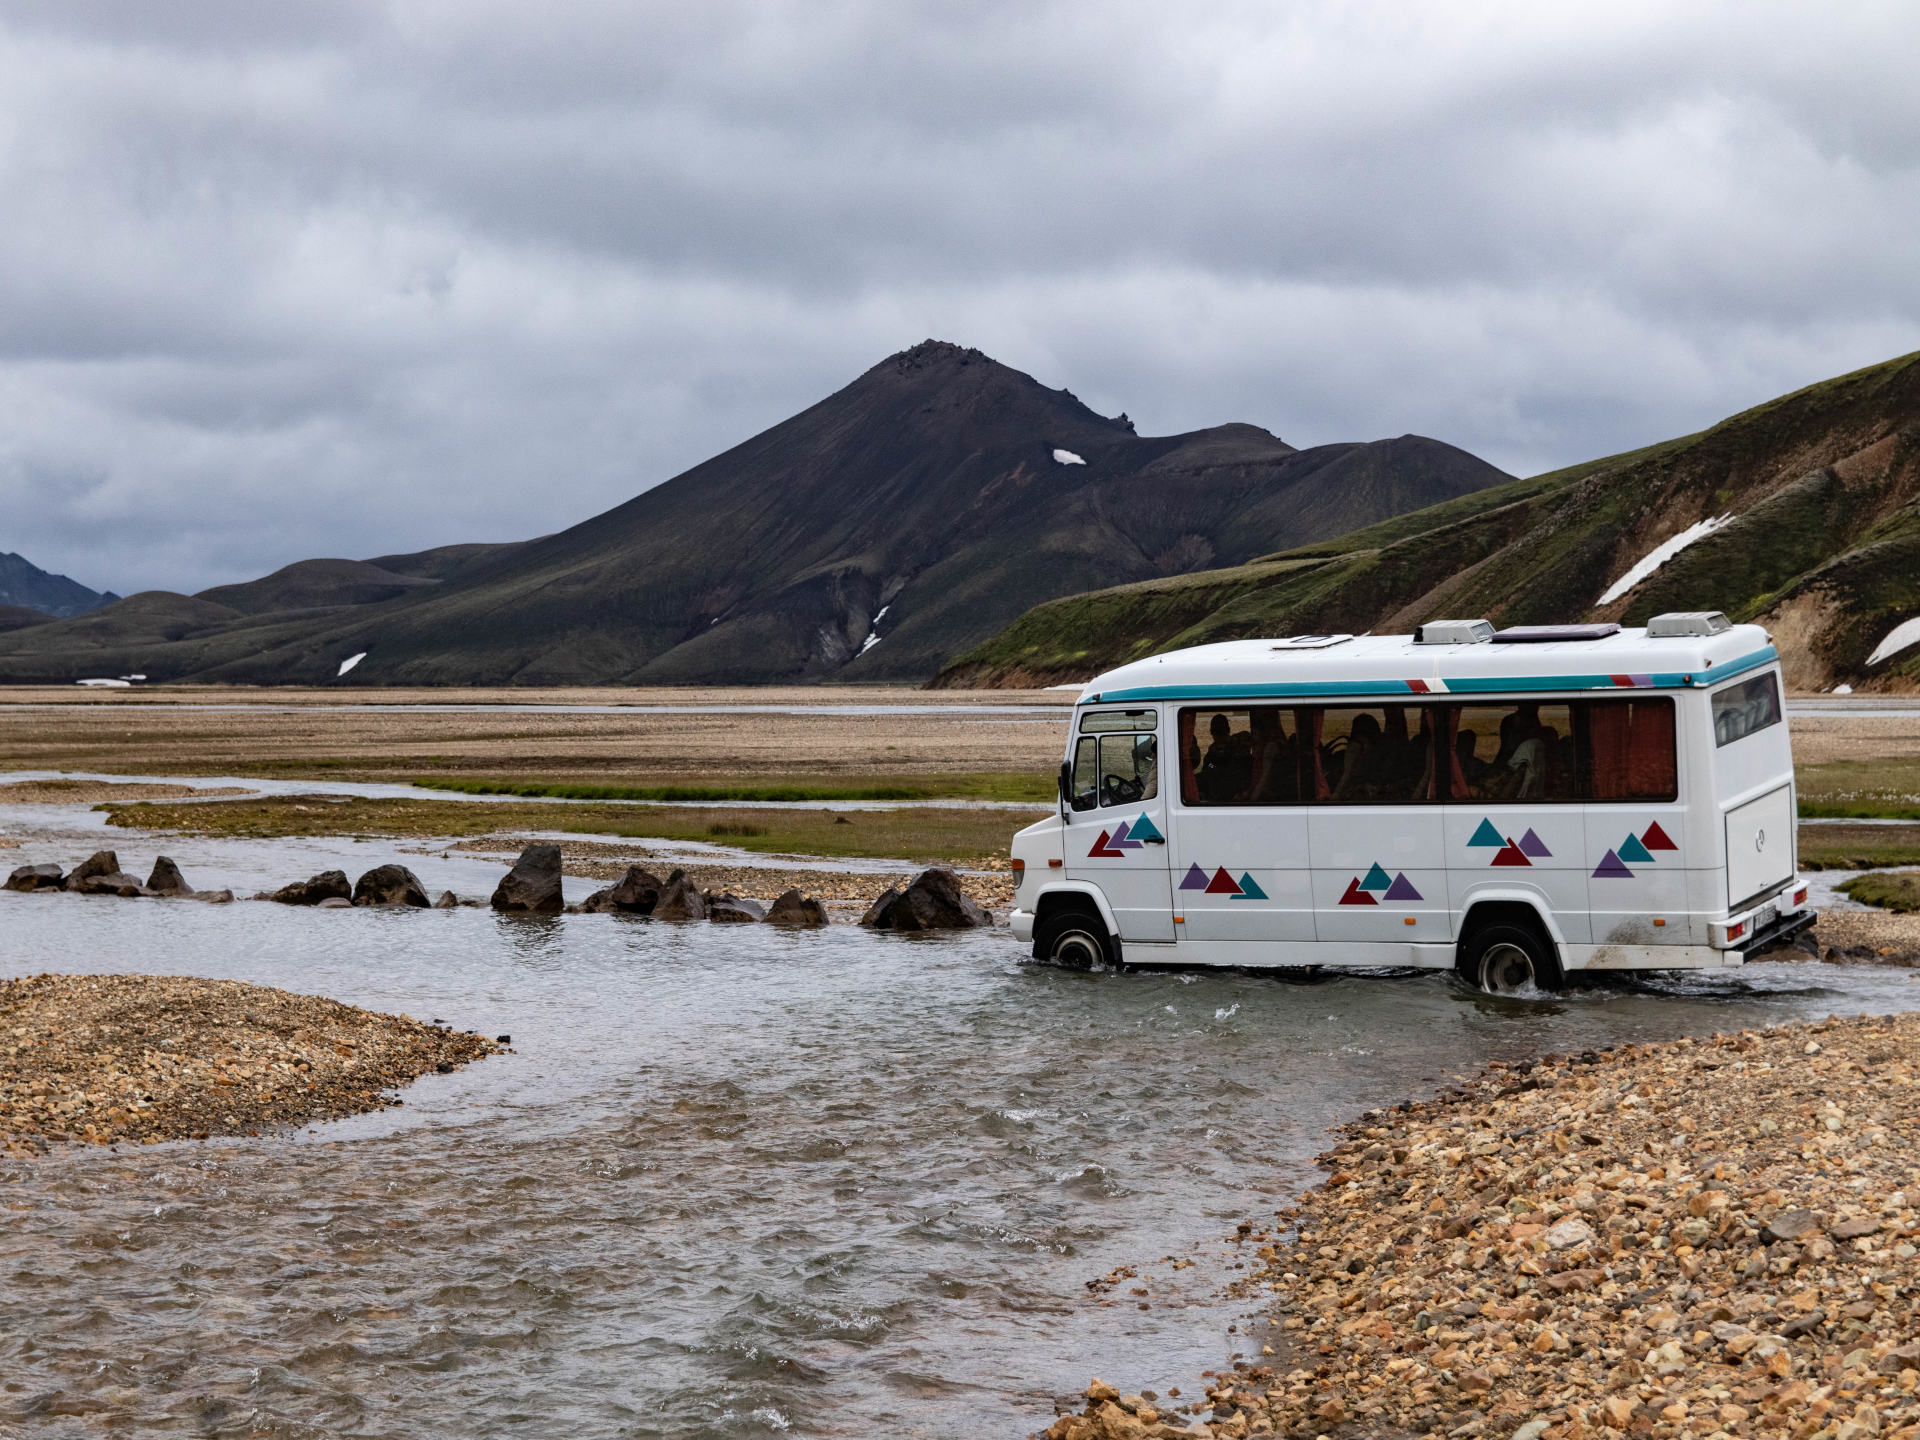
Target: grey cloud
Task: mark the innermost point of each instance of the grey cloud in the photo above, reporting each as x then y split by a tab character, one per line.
304	279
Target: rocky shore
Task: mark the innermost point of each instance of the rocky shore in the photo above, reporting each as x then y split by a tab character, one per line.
1711	1238
101	1059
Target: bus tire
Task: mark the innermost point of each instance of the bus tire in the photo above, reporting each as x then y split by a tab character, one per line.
1073	937
1504	958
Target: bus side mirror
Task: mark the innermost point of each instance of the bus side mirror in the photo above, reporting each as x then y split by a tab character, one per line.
1066	784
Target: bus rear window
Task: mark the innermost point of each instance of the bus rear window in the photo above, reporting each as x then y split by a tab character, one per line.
1741	709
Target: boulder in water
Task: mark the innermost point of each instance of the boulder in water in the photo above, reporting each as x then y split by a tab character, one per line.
35	877
166	879
679	899
635	894
447	901
734	910
386	885
933	901
100	874
101	862
532	887
801	911
327	885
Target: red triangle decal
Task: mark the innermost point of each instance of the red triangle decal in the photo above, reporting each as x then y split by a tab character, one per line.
1356	896
1222	884
1656	838
1103	850
1511	854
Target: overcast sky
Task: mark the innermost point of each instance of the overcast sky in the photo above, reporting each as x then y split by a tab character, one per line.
290	279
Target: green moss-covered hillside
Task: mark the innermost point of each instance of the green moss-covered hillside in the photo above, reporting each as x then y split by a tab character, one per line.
1818	495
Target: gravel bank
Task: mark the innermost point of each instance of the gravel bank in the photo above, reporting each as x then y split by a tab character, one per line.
143	1058
1712	1238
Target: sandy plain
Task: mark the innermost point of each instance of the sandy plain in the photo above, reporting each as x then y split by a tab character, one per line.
396	735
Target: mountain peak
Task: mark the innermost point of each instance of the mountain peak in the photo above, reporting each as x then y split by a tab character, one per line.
929	354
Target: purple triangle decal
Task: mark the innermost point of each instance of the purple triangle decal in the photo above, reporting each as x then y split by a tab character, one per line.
1402	889
1196	879
1611	868
1120	840
1532	844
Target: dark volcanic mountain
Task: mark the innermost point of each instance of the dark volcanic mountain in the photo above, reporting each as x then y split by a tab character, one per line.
870	537
1802	514
26	585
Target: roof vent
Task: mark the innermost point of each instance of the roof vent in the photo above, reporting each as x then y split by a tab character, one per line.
1310	642
1685	624
1453	632
1544	634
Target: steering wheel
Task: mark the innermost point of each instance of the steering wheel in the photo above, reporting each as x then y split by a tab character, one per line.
1122	790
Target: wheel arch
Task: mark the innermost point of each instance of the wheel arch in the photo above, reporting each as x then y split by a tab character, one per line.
1512	907
1075	894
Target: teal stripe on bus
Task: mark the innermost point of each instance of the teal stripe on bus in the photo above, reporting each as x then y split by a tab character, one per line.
1479	685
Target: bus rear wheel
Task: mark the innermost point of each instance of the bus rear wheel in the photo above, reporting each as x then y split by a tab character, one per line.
1508	959
1073	939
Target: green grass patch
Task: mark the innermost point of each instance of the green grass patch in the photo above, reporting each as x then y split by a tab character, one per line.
1858	847
1861	789
919	834
1010	788
1899	891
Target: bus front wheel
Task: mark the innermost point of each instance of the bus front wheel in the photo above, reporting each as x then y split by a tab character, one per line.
1075	939
1508	959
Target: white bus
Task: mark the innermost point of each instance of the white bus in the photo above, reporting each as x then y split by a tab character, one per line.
1512	804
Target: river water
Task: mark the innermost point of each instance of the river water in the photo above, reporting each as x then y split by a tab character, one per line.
731	1182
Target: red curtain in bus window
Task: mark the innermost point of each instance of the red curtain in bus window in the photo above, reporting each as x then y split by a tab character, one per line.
1307	723
1607	738
1650	769
1189	761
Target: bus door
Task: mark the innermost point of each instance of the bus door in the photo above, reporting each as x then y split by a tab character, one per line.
1116	824
1240	864
1376	831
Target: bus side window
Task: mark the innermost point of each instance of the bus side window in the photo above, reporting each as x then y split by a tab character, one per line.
1240	757
1515	752
1630	749
1086	773
1374	755
1129	769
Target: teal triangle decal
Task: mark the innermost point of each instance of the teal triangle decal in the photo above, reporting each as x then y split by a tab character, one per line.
1632	850
1487	835
1377	879
1249	890
1145	829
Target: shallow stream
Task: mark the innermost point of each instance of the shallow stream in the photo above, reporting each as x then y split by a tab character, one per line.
732	1182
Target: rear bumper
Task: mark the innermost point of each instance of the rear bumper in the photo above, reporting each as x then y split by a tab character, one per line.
1780	915
1785	928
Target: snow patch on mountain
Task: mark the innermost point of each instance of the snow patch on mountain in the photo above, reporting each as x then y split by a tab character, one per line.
1896	640
1662	553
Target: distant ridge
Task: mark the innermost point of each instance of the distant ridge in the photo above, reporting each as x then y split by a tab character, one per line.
1802	514
24	584
872	536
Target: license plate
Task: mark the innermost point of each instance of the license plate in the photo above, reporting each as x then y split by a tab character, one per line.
1763	917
